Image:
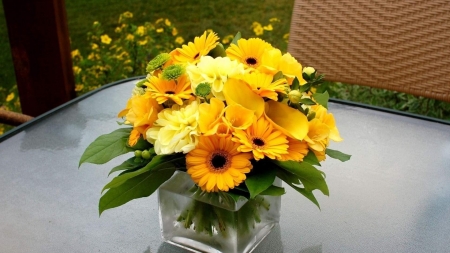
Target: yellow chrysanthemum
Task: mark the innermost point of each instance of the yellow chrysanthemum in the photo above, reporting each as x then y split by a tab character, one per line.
215	71
296	152
261	139
262	85
163	90
194	50
175	130
216	165
249	52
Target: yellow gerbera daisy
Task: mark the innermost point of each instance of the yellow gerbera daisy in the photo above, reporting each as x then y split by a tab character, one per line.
262	85
216	165
296	152
194	50
249	52
163	90
261	139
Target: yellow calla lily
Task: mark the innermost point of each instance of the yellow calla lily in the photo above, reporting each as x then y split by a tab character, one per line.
210	116
288	120
239	92
239	117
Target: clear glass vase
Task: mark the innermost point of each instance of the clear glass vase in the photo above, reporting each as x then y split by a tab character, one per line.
213	222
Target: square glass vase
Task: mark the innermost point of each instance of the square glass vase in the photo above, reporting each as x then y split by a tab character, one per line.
214	222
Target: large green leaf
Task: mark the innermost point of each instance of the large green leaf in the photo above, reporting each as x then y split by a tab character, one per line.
322	98
337	155
292	180
159	162
310	177
311	158
137	187
273	191
107	147
130	164
260	179
236	38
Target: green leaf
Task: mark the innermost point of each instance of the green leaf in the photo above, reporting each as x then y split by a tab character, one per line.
106	147
129	164
305	87
311	158
295	84
218	51
273	191
137	187
322	98
310	177
236	38
291	180
337	155
278	76
260	179
157	163
307	101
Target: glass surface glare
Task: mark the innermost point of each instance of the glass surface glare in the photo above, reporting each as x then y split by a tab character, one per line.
210	223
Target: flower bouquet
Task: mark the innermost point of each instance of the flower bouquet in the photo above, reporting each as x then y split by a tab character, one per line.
217	131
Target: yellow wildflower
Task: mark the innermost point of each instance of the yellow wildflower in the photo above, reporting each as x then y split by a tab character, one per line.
167	22
142	42
268	27
76	70
140	30
130	37
118	30
174	31
179	40
160	30
127	14
10	97
258	30
274	20
79	87
159	20
94	46
75	53
105	39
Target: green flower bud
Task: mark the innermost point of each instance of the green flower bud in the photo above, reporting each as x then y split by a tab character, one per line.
137	153
141	83
173	72
203	89
158	62
295	96
308	73
146	155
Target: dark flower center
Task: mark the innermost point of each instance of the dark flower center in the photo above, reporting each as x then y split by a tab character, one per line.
218	161
258	142
251	61
170	92
196	56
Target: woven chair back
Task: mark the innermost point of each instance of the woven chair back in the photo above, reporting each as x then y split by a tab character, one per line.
401	45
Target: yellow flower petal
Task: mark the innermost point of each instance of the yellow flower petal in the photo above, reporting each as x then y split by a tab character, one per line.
238	92
288	120
238	116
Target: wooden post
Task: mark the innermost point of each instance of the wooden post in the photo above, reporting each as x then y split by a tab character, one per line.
39	38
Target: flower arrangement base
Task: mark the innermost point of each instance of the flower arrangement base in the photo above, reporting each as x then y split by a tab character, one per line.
213	222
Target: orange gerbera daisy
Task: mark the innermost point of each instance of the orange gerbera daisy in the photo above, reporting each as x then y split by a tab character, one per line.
249	52
296	152
194	50
216	165
175	90
261	139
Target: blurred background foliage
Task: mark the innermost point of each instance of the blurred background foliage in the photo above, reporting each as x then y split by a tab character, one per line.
112	40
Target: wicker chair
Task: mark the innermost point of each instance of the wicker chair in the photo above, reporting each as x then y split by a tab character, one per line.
397	45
